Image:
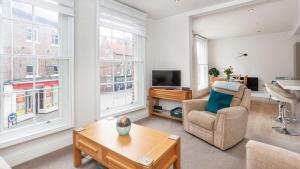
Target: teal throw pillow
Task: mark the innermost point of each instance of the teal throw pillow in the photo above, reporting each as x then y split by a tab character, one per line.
217	101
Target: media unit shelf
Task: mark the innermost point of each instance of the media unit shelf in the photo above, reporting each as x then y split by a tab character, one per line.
167	94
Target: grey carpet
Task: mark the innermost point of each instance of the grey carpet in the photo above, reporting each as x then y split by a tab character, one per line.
196	153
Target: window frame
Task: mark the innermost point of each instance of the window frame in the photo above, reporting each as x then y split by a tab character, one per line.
17	135
132	15
125	109
198	65
55	37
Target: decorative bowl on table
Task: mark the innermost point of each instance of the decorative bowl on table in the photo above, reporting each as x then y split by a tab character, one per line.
123	125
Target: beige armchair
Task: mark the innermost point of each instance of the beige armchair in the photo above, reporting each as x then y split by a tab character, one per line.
224	129
264	156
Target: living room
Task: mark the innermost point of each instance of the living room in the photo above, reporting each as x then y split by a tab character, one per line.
124	84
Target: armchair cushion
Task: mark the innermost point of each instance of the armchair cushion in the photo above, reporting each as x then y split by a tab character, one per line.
217	101
203	119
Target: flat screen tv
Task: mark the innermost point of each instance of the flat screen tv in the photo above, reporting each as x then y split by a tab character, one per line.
166	78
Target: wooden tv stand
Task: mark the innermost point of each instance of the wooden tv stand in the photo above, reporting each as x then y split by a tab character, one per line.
167	94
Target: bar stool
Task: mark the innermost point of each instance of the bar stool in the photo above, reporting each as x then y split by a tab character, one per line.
280	109
292	102
280	104
284	97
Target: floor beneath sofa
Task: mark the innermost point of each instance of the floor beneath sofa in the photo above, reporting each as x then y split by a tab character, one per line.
195	152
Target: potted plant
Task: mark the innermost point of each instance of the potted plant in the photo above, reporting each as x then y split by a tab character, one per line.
214	72
228	71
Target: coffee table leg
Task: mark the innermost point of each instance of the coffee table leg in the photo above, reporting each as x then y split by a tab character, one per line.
177	163
76	152
76	156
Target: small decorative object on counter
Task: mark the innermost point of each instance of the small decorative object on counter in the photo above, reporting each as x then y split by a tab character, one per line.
214	72
228	71
123	125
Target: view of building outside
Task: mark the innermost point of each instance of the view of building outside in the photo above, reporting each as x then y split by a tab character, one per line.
29	47
117	68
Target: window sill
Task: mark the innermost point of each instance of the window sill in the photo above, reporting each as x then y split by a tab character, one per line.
17	136
122	110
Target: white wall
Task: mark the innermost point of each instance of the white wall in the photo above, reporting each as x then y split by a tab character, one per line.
169	46
269	55
85	61
85	90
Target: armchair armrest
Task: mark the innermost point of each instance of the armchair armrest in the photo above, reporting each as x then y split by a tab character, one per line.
230	126
188	106
233	112
264	156
195	104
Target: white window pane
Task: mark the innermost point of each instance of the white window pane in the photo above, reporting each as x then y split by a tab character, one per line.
117	34
22	46
35	87
105	50
119	75
130	93
129	71
21	11
106	97
43	46
119	94
48	68
202	76
105	31
128	49
46	17
118	48
1	6
5	36
106	72
5	70
201	51
30	106
47	100
55	38
18	109
128	36
5	9
24	69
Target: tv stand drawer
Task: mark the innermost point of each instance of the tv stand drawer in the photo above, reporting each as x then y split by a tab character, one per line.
176	95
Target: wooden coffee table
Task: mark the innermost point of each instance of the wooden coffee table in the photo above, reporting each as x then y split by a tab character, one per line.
143	148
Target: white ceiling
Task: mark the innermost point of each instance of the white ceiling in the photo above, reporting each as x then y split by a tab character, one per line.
162	8
275	16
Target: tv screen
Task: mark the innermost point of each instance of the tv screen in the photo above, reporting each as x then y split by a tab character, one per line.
166	78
